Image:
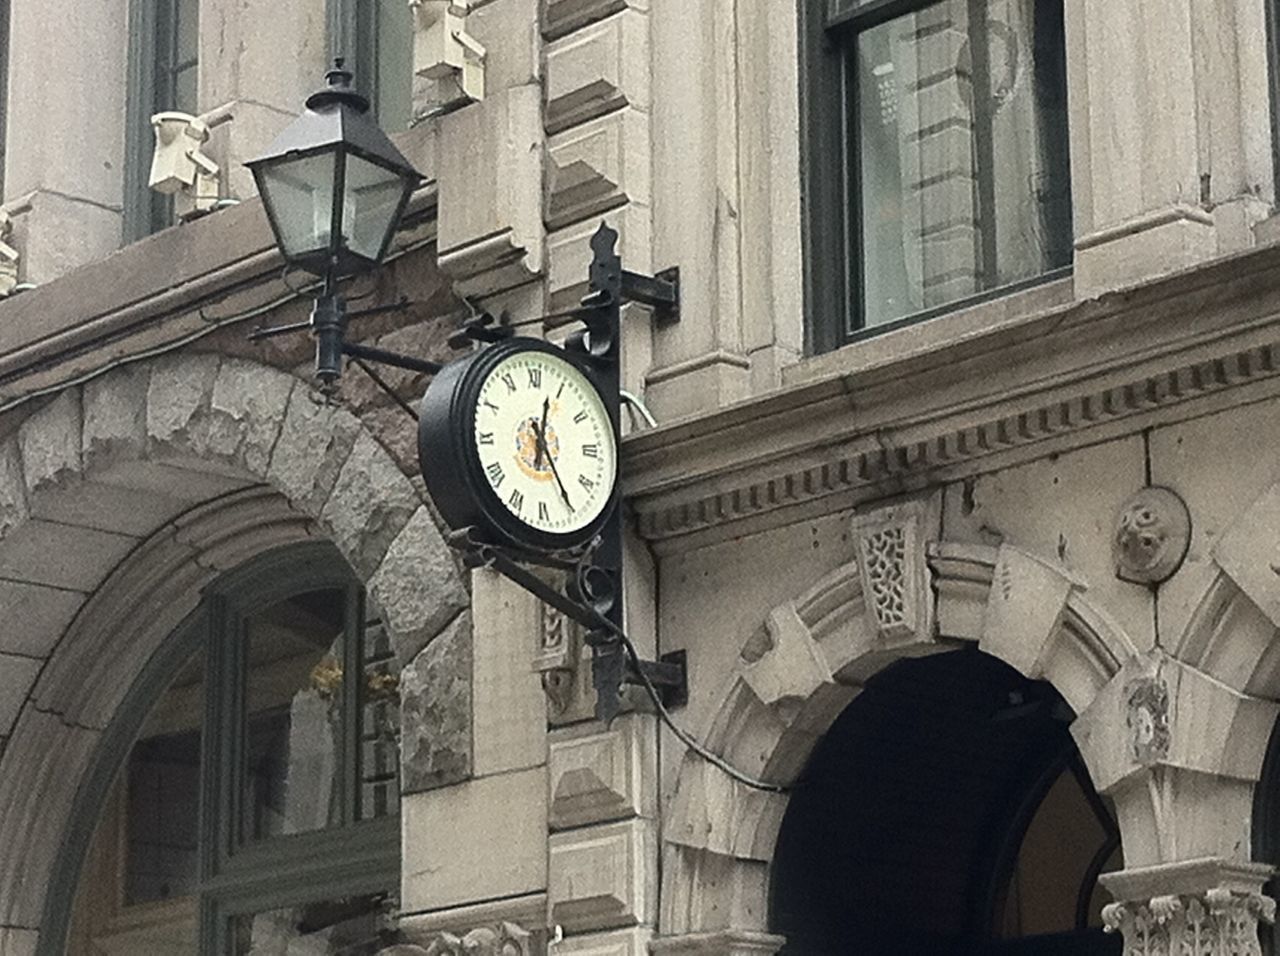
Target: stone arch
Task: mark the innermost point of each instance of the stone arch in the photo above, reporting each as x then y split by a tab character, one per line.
797	673
119	501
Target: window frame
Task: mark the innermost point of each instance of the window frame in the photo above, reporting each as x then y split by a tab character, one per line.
353	29
831	179
6	27
238	877
146	212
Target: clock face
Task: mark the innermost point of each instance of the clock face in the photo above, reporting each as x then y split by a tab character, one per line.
544	442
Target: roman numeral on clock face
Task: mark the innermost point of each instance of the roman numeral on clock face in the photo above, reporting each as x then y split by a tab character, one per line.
586	482
509	381
535	378
580	418
495	474
485	438
543	514
516	500
591	451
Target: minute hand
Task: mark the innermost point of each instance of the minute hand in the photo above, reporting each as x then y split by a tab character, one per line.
542	447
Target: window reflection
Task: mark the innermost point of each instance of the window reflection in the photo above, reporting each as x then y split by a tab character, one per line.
354	926
294	705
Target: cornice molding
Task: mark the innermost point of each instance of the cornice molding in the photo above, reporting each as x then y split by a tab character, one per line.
1176	347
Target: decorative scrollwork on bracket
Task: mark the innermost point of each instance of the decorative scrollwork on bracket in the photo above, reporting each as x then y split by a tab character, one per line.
505	939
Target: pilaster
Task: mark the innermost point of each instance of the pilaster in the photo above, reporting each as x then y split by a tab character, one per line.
1167	168
65	147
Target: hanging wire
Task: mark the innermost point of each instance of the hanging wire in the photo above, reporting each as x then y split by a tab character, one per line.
682	735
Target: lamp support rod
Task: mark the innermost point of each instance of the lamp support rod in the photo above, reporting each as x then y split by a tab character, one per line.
384	357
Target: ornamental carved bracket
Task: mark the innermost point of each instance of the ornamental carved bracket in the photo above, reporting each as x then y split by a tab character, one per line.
894	574
1152	534
503	939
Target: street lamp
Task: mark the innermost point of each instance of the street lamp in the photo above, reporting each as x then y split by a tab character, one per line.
334	188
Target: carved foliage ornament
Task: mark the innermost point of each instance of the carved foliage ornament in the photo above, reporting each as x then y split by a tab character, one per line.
505	939
1219	923
1153	531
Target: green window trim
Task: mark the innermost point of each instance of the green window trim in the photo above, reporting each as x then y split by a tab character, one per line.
239	876
375	37
162	75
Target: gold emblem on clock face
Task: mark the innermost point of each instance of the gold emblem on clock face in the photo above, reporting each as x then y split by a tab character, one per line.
545	442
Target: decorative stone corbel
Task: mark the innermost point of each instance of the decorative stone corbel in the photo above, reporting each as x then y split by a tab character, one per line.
559	661
179	166
1205	907
1152	534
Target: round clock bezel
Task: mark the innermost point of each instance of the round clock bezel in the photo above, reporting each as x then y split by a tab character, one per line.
450	459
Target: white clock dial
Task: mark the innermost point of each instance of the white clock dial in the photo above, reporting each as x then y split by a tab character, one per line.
545	442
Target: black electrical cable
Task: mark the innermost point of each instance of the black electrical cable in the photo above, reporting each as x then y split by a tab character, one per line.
682	735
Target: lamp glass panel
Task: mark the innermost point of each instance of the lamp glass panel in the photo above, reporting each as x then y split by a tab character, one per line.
299	193
371	198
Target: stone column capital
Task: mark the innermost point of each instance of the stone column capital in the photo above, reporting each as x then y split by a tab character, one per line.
728	942
1210	907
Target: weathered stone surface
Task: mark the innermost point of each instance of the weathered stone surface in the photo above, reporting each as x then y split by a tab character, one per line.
115	415
17	674
44	613
18	942
13	492
599	774
603	877
248	405
482	839
627	942
315	441
371	503
177	396
598	69
417	586
435	711
61	555
50	441
564	16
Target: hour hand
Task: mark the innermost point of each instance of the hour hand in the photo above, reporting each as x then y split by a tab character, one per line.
542	436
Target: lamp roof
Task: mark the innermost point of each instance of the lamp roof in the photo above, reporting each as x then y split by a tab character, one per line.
336	115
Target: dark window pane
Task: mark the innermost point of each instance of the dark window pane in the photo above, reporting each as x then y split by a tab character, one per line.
188	30
355	926
294	695
961	136
184	90
394	94
163	794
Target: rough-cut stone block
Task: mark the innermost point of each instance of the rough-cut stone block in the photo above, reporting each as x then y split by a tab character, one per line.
315	441
601	775
13	490
602	877
510	709
417	586
490	233
17	675
569	251
50	441
18	942
371	503
248	405
44	612
598	165
435	711
115	415
482	839
177	397
564	16
626	942
598	69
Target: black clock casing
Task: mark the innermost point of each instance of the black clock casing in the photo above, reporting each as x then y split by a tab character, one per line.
450	464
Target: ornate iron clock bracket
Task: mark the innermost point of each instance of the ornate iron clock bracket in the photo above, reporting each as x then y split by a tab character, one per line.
594	594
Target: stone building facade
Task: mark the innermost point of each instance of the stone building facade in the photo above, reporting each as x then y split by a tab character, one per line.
1066	492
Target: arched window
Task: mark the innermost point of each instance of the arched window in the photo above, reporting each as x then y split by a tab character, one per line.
251	786
946	811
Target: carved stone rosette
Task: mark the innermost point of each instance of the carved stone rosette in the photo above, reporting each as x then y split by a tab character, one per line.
1218	922
1152	534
